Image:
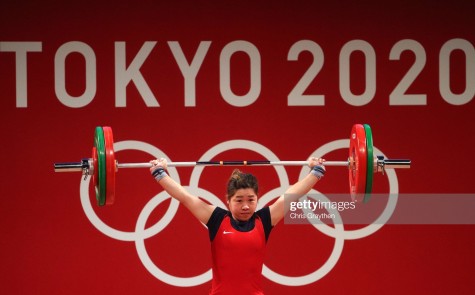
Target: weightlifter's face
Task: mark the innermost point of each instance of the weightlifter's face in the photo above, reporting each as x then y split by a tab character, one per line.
243	204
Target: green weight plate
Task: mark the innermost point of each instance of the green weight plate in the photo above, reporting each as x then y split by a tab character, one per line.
99	144
110	165
370	161
95	175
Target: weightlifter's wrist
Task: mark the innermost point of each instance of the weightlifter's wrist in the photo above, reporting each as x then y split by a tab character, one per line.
318	171
159	173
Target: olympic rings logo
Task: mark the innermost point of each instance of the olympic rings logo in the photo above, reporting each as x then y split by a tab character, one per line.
141	233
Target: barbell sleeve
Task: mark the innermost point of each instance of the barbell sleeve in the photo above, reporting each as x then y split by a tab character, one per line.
85	164
68	167
396	163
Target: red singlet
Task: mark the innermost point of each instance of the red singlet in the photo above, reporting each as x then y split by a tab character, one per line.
238	250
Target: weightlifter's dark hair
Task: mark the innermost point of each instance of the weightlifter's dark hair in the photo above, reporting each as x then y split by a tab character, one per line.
239	180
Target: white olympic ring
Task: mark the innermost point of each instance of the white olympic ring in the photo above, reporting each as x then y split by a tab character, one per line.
323	270
121	235
140	243
140	233
381	220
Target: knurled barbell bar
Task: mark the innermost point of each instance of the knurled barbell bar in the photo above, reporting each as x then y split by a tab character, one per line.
361	163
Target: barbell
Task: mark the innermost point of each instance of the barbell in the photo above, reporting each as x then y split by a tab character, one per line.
362	164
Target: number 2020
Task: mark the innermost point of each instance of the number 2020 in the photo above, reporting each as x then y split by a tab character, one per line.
399	95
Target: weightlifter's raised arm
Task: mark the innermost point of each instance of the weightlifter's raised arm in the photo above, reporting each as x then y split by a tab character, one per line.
200	209
278	209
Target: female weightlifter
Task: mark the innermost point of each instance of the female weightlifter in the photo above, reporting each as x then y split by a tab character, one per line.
238	236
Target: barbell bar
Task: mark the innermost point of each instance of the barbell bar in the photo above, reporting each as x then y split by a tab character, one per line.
361	163
79	166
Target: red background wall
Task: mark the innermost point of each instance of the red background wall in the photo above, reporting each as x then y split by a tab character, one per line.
49	245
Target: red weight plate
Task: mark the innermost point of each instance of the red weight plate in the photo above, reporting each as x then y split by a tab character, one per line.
110	165
358	163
